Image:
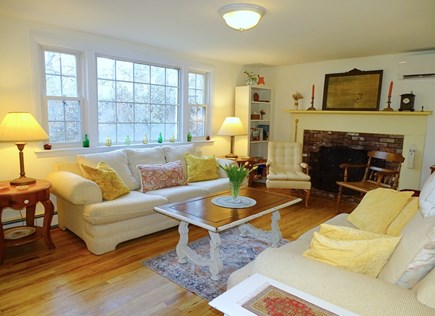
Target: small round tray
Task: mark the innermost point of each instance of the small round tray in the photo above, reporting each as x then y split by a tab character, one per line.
19	232
227	202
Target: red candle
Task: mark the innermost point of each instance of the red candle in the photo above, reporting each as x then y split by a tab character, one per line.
312	92
391	89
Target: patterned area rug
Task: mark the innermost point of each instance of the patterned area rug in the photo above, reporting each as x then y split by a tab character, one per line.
236	252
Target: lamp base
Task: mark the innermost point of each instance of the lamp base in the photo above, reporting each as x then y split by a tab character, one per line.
22	181
231	155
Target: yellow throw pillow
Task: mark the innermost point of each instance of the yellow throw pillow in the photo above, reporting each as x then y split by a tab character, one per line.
201	168
352	249
107	179
408	212
378	209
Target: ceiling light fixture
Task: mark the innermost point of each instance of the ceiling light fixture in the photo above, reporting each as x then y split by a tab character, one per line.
242	16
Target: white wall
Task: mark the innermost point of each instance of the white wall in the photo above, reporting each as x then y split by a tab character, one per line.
287	80
19	82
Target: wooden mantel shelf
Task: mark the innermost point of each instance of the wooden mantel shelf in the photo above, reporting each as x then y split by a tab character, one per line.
403	113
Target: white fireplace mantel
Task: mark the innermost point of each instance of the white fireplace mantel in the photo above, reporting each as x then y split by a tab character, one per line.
410	124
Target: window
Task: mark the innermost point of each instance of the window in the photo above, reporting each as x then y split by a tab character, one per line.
137	100
197	104
62	96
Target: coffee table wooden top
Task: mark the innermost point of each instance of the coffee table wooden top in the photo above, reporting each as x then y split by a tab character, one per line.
203	213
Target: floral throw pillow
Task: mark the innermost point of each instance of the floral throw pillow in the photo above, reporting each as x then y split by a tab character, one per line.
108	180
158	176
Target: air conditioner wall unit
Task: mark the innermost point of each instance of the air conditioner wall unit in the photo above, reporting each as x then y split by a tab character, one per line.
417	67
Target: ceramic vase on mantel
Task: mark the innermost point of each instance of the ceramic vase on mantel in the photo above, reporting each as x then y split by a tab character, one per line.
251	81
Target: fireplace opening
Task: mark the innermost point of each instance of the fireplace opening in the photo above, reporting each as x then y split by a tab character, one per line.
325	166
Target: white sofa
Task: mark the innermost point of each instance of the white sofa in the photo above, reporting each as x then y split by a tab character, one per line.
104	224
360	293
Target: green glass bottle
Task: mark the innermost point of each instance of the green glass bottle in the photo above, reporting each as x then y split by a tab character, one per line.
189	137
86	141
127	140
160	139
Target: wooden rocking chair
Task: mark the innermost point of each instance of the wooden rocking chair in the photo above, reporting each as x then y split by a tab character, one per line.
374	176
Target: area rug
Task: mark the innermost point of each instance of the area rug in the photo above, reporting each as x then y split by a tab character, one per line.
236	252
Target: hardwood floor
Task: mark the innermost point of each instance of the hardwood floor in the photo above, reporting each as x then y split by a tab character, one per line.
72	281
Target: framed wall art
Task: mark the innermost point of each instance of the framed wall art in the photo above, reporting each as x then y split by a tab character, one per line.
355	90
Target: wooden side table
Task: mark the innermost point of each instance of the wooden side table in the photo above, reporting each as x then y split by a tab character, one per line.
11	196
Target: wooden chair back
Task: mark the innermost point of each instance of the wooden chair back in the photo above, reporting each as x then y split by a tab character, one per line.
386	176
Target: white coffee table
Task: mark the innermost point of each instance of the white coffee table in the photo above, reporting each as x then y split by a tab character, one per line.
231	302
203	213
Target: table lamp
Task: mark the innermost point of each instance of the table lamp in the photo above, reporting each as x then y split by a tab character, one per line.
20	128
232	126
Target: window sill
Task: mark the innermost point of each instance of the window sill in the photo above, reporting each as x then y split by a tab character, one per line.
58	152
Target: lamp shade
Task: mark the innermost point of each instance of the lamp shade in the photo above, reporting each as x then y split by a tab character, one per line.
232	126
21	127
242	16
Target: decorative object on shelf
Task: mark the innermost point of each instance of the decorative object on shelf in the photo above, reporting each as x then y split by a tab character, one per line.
252	78
232	126
407	102
20	128
108	142
256	97
86	141
297	96
145	139
127	140
19	232
256	134
312	108
207	137
265	129
261	81
262	113
388	108
242	16
47	146
255	116
160	138
189	137
355	90
172	139
237	175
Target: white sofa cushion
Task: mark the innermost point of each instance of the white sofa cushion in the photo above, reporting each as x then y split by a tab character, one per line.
180	193
141	156
133	204
213	186
117	159
174	153
426	290
427	197
404	267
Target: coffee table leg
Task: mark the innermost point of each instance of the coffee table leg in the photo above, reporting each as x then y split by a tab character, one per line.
273	236
214	262
181	249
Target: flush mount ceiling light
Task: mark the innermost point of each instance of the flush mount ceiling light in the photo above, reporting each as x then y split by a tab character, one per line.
242	16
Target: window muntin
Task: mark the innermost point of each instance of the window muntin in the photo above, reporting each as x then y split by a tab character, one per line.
62	96
136	100
197	104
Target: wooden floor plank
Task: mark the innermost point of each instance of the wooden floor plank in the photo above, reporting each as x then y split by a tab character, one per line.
72	281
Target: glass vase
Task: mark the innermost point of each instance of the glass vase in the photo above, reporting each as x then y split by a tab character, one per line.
235	191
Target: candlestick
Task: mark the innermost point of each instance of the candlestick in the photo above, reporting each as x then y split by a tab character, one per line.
391	89
312	91
388	108
312	108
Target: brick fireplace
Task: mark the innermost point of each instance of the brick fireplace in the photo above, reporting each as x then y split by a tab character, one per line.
362	129
324	151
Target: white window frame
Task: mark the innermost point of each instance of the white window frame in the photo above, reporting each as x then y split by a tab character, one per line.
206	104
80	89
180	113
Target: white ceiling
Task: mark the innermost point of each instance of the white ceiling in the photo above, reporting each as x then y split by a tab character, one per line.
292	31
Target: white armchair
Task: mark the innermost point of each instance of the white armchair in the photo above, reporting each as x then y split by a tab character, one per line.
286	169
